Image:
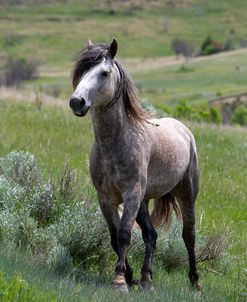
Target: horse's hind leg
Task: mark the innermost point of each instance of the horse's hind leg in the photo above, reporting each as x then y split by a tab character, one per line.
112	218
149	237
186	194
188	213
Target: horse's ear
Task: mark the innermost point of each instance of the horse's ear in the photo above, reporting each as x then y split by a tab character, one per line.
113	48
89	43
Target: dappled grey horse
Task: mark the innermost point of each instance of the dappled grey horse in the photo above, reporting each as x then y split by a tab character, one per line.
134	159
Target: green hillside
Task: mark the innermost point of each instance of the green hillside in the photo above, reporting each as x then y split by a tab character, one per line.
52	33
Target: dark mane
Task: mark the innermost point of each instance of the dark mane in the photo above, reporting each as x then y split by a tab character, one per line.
93	55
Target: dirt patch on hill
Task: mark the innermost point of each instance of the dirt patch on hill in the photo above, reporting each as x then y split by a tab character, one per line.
146	64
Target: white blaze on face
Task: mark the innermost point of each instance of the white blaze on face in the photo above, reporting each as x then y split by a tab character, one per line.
92	84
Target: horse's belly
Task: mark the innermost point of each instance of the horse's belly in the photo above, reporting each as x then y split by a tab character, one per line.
164	175
160	186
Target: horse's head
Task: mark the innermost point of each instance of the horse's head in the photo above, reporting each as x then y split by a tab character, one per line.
95	78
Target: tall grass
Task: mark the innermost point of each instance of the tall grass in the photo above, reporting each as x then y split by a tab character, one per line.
50	212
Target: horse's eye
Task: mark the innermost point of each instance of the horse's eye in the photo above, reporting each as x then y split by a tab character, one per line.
105	73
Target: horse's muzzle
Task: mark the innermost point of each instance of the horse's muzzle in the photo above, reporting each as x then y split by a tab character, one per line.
78	106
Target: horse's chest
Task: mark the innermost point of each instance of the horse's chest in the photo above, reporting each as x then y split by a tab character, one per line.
119	169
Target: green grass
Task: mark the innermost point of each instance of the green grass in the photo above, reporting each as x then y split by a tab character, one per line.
52	34
21	279
201	81
67	26
55	135
42	131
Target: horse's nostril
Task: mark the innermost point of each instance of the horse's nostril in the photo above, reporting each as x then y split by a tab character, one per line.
73	102
77	103
82	102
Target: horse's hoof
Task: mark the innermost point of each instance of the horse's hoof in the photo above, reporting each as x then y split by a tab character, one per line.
133	283
120	284
147	286
122	288
198	287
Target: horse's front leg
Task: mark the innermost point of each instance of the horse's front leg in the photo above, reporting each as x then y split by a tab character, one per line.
110	212
149	236
132	202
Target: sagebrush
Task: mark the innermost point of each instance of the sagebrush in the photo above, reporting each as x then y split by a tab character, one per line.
62	225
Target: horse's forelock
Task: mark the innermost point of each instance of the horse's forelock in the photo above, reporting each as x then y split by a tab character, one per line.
88	58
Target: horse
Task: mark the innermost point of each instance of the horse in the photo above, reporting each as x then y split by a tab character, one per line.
135	158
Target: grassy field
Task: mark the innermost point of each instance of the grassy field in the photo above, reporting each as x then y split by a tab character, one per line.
55	136
37	28
52	34
194	81
24	283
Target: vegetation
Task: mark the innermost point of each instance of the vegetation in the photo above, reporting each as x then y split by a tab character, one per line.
181	47
197	81
56	221
139	30
210	46
18	290
17	71
240	115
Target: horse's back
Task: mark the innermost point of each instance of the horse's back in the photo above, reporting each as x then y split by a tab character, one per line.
171	132
173	127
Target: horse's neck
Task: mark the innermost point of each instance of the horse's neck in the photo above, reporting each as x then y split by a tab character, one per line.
110	125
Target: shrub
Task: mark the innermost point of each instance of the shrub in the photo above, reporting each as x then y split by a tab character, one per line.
228	45
65	231
21	167
183	110
59	260
18	70
215	115
155	111
210	46
182	47
201	112
43	200
10	195
240	116
10	39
